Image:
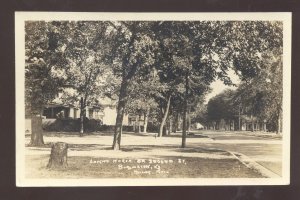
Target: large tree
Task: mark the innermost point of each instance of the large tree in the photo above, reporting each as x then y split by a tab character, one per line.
144	89
194	58
70	55
131	50
44	53
262	95
86	69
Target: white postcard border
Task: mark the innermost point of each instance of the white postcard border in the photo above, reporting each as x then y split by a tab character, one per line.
21	17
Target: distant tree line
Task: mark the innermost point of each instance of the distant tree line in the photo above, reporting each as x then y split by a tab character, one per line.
259	97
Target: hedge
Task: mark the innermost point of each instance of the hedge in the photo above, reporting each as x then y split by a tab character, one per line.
90	125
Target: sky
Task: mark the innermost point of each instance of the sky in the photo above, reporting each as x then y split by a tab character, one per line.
218	86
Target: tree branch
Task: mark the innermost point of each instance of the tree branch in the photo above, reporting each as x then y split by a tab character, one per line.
113	25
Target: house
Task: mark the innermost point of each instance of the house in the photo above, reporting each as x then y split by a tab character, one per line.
198	126
248	123
242	122
55	111
105	111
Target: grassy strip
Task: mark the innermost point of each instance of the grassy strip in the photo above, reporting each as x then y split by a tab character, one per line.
159	167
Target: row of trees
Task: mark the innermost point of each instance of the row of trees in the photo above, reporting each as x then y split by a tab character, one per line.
260	96
161	67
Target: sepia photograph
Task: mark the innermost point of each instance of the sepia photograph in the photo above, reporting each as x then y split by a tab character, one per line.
147	99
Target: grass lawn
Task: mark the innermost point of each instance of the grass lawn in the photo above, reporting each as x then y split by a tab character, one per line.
142	156
160	167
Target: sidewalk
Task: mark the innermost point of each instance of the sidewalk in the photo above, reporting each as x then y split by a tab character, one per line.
261	134
263	148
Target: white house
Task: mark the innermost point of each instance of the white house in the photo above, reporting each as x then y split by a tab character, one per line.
106	112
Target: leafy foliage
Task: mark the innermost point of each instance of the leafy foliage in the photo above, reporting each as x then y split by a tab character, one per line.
262	95
44	64
85	54
221	107
143	64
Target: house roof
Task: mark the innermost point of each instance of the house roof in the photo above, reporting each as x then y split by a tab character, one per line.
102	102
53	105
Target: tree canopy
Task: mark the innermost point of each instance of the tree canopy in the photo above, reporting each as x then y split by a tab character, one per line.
166	64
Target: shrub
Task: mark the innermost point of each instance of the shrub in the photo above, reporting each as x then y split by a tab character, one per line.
61	125
73	125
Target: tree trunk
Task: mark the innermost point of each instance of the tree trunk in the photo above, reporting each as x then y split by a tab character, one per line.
167	126
278	130
188	120
139	124
184	123
185	108
36	131
175	123
228	125
82	112
58	156
146	116
126	77
164	133
252	123
240	118
179	127
164	118
170	126
136	124
161	114
120	114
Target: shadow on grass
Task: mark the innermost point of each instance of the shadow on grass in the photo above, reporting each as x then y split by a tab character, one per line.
202	150
61	134
93	147
139	134
46	145
191	135
126	148
76	134
96	133
88	147
111	133
135	148
73	147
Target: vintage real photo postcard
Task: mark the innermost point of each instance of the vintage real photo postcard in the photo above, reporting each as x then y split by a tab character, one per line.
148	99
